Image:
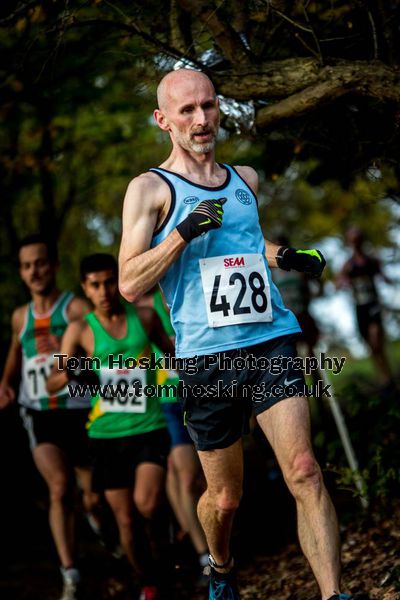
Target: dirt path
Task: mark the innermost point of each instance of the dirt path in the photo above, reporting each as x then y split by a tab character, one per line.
371	561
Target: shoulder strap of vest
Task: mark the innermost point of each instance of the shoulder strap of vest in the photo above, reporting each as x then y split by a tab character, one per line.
90	318
245	183
164	177
27	316
64	302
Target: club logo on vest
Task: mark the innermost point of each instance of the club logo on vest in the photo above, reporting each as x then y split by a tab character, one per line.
191	199
243	196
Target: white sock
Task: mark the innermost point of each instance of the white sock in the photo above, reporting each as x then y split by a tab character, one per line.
70	575
93	523
203	559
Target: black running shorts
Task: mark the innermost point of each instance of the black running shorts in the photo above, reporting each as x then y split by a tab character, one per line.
218	402
115	460
64	428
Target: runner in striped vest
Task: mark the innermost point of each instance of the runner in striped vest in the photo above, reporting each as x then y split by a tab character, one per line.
55	423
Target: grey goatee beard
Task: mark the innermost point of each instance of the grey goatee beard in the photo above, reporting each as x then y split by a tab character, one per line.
202	148
193	146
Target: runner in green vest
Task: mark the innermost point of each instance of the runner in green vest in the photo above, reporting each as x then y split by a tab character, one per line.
185	483
130	441
55	422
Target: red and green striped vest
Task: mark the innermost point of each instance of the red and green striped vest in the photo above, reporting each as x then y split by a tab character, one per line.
40	339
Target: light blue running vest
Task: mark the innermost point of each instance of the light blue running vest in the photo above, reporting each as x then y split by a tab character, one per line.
240	233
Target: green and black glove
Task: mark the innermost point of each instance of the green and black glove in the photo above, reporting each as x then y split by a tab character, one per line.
311	262
206	216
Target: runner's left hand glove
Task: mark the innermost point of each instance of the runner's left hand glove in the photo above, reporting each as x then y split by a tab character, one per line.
206	216
311	262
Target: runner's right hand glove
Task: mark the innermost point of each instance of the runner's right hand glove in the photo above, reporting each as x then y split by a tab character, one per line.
311	262
206	216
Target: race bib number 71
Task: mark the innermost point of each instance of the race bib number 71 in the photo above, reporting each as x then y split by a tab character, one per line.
36	371
236	289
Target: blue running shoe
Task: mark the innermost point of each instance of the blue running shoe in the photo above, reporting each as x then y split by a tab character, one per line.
223	585
349	597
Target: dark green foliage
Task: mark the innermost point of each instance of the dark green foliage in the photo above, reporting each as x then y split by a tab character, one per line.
373	420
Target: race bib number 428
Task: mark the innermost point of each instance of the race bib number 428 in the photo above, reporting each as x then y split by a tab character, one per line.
236	289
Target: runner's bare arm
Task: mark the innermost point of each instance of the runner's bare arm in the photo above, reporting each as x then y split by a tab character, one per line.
140	267
159	336
251	178
78	308
342	279
155	330
12	367
71	345
271	250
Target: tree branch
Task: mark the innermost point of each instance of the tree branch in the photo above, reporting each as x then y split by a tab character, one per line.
299	104
67	204
375	80
316	40
304	43
294	23
130	28
272	79
181	35
282	78
18	12
223	34
374	35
